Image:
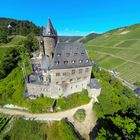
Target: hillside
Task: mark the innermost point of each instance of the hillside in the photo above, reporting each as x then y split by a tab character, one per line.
68	39
119	50
88	37
18	27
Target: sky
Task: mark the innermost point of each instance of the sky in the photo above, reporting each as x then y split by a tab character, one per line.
74	17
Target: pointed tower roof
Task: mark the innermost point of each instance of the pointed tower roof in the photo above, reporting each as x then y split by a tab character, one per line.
49	30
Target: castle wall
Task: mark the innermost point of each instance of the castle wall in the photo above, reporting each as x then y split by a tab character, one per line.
37	90
70	75
70	80
65	84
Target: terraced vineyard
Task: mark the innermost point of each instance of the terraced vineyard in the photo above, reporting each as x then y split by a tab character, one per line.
118	50
4	120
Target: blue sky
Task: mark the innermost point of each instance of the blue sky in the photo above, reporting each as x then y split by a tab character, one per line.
75	17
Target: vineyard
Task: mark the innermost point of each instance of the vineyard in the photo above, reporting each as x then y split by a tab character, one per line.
4	120
118	50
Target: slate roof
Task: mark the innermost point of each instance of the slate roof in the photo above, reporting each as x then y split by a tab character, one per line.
70	55
49	30
94	84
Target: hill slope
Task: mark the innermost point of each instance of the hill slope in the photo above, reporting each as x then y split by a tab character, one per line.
68	39
88	37
119	50
18	27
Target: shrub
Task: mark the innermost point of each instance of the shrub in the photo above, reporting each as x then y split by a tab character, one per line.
80	115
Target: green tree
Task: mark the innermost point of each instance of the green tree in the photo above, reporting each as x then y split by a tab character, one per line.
3	37
31	43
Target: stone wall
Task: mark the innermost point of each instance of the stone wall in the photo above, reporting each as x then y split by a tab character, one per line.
38	90
49	45
63	82
70	75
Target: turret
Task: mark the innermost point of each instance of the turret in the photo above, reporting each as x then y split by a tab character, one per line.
49	40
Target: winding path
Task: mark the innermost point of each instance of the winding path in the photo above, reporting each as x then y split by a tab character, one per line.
48	116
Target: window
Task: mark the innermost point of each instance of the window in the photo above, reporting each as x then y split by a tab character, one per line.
80	61
87	70
57	62
73	61
87	61
58	74
56	82
80	70
82	53
73	72
65	62
58	54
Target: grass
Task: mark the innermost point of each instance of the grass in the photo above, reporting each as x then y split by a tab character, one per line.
73	100
34	130
113	50
3	51
15	41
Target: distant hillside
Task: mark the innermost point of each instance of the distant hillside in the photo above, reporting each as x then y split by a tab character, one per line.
18	27
88	37
118	49
69	39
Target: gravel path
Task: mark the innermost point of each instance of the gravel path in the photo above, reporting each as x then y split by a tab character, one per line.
47	116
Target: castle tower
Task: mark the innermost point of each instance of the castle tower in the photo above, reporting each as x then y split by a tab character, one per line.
50	40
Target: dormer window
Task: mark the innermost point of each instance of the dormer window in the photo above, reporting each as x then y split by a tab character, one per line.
57	62
73	61
80	61
58	54
65	62
87	60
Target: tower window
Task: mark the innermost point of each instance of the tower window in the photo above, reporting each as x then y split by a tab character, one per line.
52	55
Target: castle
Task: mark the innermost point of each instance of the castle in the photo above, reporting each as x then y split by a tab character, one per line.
61	69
